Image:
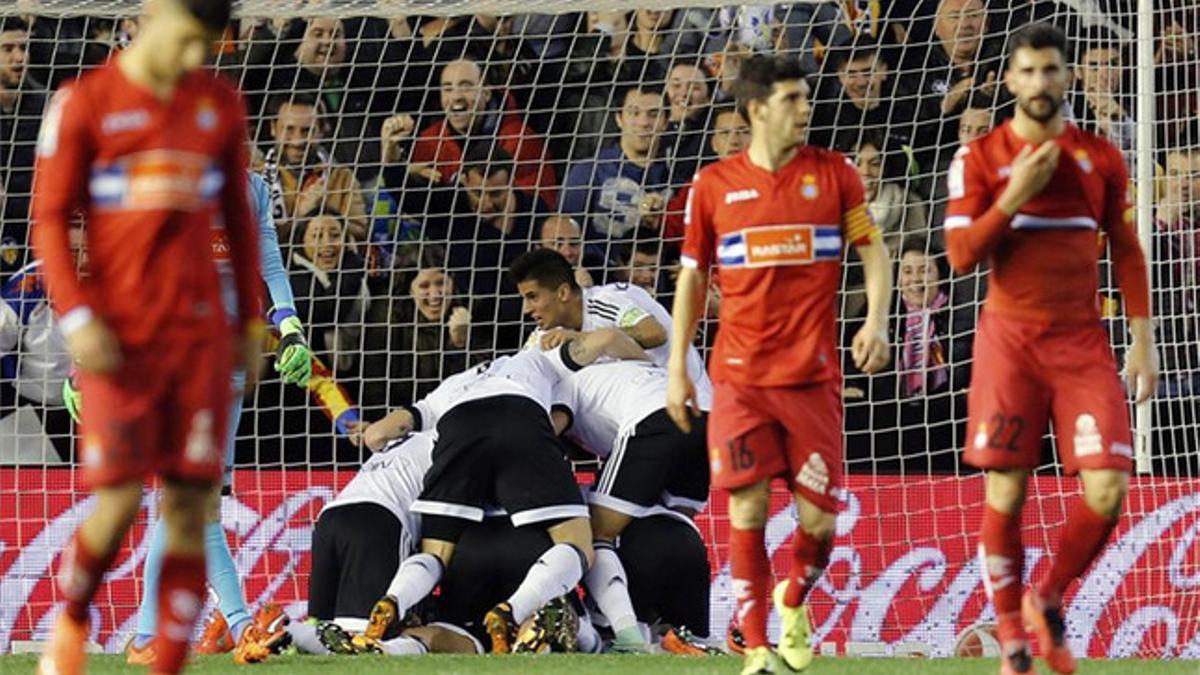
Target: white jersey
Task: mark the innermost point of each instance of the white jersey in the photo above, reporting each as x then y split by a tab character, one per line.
609	399
623	306
534	374
393	479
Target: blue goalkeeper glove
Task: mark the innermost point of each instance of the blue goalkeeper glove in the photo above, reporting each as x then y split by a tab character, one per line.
72	398
293	362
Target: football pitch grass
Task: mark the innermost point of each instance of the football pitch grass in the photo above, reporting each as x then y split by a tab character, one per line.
577	664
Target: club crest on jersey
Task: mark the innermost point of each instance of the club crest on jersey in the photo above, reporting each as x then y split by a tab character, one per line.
1081	158
206	115
810	191
772	245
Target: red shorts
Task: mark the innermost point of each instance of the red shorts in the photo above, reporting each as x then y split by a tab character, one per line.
758	433
164	412
1027	374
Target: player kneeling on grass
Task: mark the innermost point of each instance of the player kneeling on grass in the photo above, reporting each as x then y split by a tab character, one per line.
1042	352
167	159
774	220
496	445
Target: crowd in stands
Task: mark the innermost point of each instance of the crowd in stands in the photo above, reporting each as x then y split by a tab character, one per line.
413	158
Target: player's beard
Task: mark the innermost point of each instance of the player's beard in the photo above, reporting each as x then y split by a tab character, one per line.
1041	116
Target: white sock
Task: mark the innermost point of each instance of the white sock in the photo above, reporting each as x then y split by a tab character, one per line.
304	636
403	646
555	573
415	579
609	587
587	640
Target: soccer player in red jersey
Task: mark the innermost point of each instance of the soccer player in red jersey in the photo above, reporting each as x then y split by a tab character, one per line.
775	220
152	153
1031	197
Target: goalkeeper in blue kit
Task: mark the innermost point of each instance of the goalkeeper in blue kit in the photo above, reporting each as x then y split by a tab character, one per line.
294	362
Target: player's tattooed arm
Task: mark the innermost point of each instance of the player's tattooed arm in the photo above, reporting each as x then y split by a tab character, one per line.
587	347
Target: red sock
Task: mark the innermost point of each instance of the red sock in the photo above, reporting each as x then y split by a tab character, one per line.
79	575
1080	540
809	558
1003	559
751	571
180	598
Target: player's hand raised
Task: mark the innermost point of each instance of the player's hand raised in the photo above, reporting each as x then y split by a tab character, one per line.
94	347
869	349
682	405
1031	172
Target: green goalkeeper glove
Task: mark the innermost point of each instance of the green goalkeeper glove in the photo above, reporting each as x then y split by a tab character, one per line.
293	362
72	398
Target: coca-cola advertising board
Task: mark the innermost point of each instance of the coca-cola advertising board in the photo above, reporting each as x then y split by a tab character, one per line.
904	575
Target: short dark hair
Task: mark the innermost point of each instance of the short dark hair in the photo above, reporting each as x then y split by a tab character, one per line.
214	14
298	98
757	77
1040	35
487	159
654	88
13	22
725	108
303	220
849	141
863	47
545	266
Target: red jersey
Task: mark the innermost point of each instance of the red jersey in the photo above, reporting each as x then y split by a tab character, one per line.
777	240
152	179
1045	259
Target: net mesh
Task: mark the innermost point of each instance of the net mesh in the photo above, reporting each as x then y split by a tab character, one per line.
415	150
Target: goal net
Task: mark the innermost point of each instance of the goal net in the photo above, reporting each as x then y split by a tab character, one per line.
415	149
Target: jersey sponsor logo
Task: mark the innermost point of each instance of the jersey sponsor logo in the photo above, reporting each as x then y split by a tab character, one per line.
739	196
809	190
156	179
124	120
1025	221
220	243
775	245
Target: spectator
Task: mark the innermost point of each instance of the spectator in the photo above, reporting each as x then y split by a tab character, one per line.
953	56
1099	105
1175	282
868	94
330	286
415	339
1177	72
489	224
730	135
22	100
642	263
563	234
689	93
627	182
905	419
474	112
977	119
1177	270
322	66
897	212
33	354
309	180
651	46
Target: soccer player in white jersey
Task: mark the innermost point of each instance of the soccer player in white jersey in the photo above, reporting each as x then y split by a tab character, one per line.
496	445
561	308
621	417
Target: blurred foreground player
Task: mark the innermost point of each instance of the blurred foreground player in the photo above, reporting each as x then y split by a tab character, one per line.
153	154
774	220
1029	198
